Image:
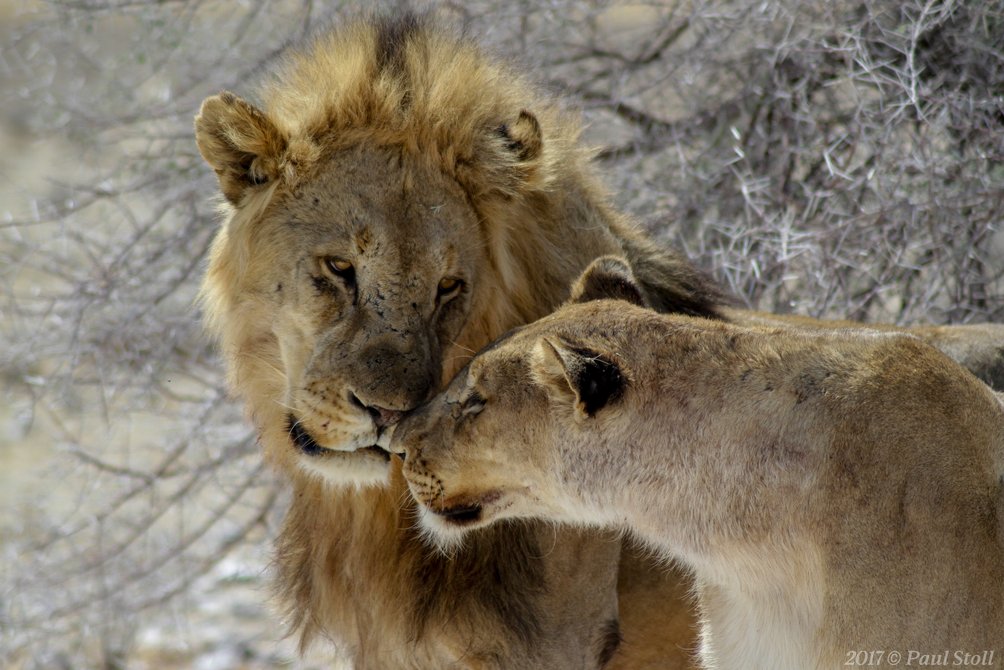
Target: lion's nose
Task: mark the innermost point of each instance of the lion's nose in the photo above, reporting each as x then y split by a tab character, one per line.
382	416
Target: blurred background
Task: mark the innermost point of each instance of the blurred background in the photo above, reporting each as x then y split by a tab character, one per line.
836	158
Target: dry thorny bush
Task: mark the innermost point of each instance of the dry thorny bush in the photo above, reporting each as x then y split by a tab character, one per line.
829	158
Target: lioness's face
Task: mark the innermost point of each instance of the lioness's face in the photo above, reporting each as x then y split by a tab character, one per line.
503	439
373	284
470	452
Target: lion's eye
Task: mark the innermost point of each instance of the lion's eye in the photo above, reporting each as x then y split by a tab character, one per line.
340	268
448	286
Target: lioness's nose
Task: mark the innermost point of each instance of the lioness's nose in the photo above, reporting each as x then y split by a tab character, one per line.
408	437
382	416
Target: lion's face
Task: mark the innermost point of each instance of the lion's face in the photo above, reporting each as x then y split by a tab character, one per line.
360	267
366	273
371	295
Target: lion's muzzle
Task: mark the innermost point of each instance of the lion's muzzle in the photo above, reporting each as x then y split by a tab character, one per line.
382	416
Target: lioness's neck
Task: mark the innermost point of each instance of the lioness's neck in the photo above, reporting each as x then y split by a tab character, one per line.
762	610
728	433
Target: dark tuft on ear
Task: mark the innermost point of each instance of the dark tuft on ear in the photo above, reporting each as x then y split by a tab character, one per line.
599	382
523	137
581	376
607	278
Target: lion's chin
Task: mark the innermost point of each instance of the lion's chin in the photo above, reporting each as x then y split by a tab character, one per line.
369	466
360	466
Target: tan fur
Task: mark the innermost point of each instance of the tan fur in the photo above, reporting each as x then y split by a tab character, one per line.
398	147
400	170
977	347
832	491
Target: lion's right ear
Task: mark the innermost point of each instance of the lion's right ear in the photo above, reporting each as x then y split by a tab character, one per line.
239	142
523	137
580	377
607	277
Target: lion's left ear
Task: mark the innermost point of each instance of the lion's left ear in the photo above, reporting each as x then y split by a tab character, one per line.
585	379
610	278
242	145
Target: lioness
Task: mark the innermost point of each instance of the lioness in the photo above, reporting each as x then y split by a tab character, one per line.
396	201
831	491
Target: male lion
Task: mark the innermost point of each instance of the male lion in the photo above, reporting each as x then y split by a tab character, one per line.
831	491
397	202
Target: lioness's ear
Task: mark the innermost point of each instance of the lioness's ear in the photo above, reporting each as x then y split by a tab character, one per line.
583	378
239	142
607	277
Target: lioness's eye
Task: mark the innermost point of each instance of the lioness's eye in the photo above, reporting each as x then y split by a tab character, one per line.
340	268
448	285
